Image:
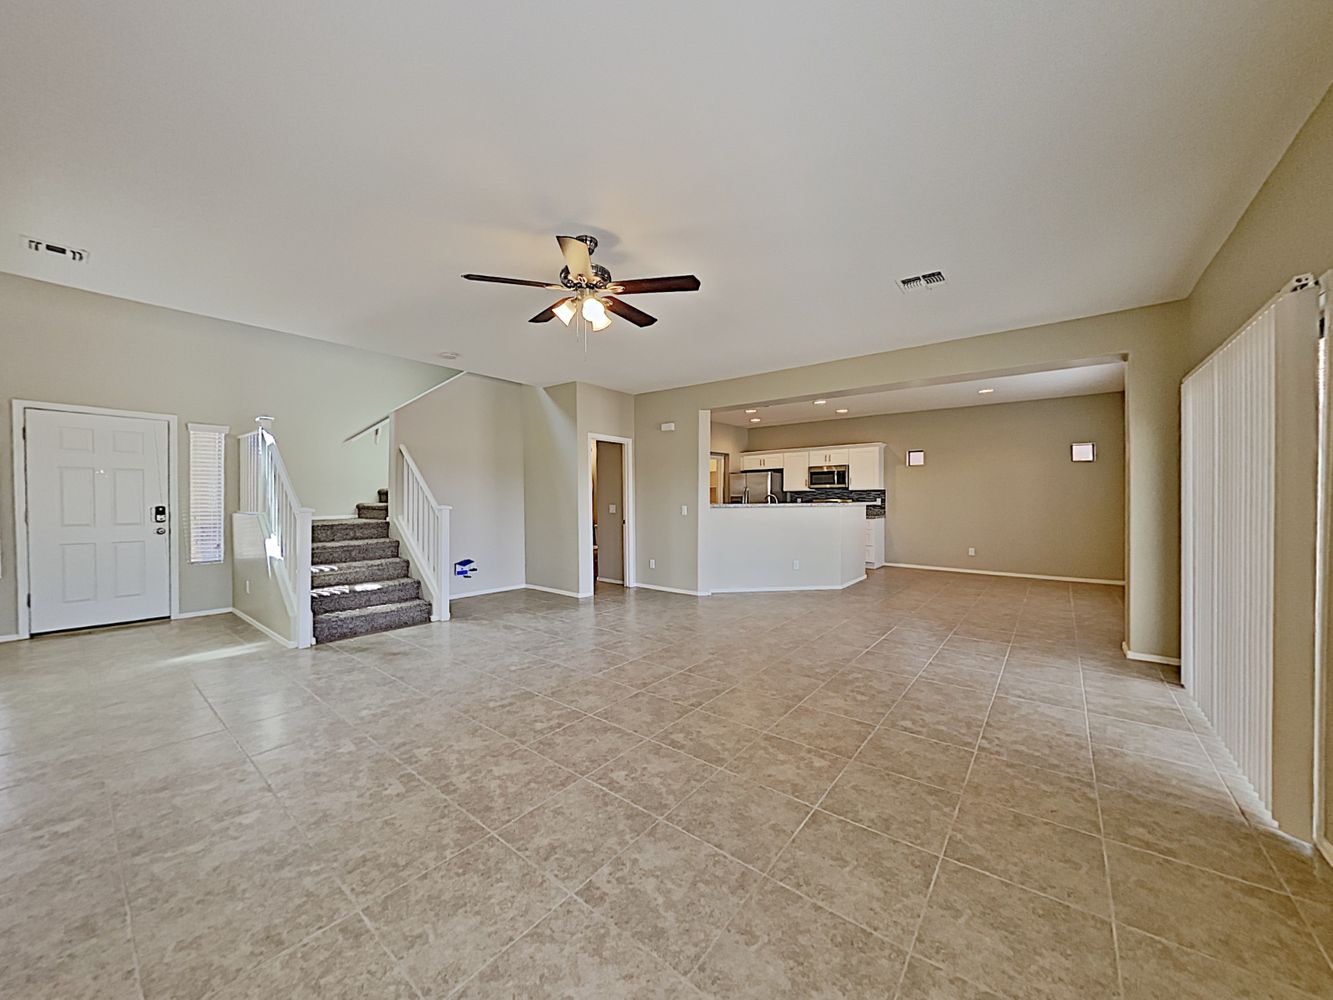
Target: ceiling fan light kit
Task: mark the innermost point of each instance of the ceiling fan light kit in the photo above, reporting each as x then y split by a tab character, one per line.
594	289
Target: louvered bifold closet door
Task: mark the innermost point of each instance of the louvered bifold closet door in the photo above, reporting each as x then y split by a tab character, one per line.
1244	512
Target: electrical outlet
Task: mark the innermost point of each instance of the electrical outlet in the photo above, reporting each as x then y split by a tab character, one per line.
652	564
971	552
796	564
611	509
684	510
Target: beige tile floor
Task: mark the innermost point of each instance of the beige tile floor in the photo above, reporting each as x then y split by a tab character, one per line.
927	786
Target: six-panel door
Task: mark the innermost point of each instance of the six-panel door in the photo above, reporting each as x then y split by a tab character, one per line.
96	552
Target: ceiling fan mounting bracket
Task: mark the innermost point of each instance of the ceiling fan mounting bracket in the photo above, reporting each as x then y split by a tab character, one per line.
601	276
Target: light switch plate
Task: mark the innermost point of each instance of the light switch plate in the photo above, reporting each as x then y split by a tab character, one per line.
611	508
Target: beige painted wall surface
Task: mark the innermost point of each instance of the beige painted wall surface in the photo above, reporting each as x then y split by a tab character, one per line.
1287	230
997	478
731	441
1150	339
609	493
551	460
67	346
467	440
250	564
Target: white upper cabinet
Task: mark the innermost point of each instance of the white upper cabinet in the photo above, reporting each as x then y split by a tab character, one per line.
865	467
828	456
795	464
762	460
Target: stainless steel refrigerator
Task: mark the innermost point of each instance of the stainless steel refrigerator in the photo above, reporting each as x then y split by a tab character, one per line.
758	486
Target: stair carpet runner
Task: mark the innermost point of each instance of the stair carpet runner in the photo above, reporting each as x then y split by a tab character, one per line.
358	582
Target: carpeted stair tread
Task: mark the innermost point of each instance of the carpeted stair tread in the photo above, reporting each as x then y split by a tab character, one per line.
373	511
357	550
348	529
365	571
346	596
336	625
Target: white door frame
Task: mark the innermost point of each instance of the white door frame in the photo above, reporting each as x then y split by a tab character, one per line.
628	521
21	498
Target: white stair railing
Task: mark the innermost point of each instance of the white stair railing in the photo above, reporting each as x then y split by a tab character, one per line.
423	527
266	490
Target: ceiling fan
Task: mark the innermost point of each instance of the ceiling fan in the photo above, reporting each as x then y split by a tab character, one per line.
593	289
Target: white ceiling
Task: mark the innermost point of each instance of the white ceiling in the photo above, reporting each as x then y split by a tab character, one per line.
1080	380
330	169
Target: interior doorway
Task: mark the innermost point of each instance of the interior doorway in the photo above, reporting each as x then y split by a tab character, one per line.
718	476
608	511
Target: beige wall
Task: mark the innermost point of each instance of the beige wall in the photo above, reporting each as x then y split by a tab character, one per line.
997	478
61	345
731	441
1149	339
551	458
1287	230
467	439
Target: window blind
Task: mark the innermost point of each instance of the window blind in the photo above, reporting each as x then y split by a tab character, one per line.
208	443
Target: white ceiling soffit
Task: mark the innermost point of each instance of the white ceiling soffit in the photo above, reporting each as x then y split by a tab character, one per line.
1083	380
331	169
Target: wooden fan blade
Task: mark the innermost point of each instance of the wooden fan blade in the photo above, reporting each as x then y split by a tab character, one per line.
626	311
509	281
674	283
547	314
576	257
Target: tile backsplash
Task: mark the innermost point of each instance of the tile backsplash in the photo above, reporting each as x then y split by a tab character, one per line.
873	497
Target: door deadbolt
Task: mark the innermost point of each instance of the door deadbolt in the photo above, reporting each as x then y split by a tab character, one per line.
160	514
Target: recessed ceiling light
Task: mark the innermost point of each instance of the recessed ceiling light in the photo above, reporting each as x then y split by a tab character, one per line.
450	355
754	420
751	411
843	410
984	392
820	402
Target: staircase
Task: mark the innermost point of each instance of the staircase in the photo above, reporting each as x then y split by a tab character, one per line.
358	582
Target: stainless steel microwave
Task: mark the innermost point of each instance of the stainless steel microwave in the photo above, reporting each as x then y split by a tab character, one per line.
827	477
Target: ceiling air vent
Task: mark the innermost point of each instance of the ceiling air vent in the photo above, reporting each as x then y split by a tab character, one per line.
58	249
920	282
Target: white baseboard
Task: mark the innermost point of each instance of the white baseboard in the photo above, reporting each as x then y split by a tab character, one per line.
203	614
560	593
1021	576
264	628
492	590
1169	661
1325	848
670	590
11	638
607	579
786	590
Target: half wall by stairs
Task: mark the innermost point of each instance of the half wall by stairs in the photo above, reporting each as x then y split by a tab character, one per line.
358	581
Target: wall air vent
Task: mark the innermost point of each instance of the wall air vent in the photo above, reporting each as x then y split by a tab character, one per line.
58	249
920	282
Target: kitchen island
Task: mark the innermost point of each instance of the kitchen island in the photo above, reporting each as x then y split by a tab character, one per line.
762	547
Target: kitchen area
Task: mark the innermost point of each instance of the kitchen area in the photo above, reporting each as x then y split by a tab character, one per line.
796	519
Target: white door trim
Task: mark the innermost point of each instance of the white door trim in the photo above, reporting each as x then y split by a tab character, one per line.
17	421
629	524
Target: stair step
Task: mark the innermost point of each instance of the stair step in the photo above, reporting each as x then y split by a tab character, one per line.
366	571
373	511
384	496
357	550
337	625
344	597
348	529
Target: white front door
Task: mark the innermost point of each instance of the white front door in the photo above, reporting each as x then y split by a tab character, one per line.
99	542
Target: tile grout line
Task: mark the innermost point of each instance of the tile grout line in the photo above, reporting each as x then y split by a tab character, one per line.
944	846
